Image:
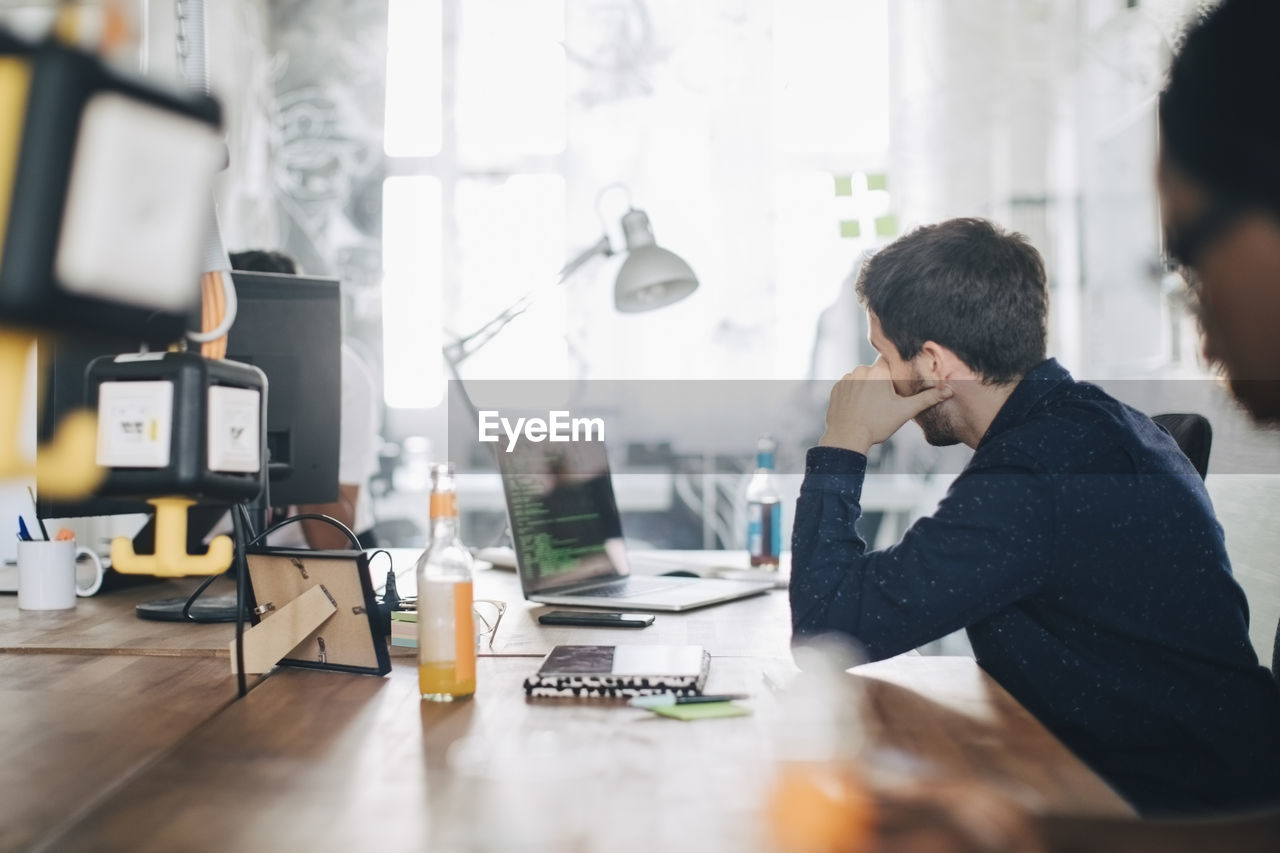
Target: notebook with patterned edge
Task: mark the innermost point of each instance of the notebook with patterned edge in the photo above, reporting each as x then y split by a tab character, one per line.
620	671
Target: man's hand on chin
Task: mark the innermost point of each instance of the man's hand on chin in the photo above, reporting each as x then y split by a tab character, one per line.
865	410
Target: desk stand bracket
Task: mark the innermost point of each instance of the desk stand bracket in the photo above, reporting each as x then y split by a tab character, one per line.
271	639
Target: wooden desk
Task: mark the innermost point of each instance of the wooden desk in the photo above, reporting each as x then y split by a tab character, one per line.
106	749
322	761
73	727
759	626
754	627
106	624
951	719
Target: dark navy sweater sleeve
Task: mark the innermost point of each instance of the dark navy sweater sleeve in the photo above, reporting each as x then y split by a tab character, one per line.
986	546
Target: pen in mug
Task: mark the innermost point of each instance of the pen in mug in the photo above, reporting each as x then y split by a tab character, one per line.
662	700
44	531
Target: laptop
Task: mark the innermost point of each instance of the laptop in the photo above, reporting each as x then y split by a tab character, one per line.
568	540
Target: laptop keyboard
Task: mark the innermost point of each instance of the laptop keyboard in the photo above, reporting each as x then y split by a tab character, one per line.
627	588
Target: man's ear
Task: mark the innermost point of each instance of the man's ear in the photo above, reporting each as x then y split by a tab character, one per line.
939	364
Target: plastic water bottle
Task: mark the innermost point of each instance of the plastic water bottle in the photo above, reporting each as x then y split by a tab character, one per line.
446	626
764	510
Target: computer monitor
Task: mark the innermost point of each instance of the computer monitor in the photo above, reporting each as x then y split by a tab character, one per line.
288	326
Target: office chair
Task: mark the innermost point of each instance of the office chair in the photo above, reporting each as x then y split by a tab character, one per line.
1193	434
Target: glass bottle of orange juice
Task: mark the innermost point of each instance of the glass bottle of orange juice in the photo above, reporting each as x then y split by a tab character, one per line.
446	627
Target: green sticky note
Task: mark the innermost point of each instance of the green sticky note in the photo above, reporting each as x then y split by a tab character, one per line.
877	181
844	185
850	228
702	711
886	226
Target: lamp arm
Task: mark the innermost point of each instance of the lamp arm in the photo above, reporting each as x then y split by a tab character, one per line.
600	247
464	347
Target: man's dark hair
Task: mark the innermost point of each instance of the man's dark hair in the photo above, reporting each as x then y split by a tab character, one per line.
263	260
967	285
1218	116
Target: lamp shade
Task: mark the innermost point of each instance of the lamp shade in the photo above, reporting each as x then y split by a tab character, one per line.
650	277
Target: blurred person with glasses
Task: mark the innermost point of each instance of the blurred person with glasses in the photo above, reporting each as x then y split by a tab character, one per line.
1219	185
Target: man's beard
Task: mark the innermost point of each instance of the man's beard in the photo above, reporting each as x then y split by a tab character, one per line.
939	430
1259	397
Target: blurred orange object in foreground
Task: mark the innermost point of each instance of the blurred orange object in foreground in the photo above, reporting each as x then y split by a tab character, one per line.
817	807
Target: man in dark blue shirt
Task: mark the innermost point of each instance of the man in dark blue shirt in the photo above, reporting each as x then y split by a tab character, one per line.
1078	548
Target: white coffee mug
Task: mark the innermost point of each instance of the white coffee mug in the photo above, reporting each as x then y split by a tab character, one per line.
47	574
89	572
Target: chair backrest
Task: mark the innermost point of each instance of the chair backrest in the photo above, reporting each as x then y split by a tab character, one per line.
1193	434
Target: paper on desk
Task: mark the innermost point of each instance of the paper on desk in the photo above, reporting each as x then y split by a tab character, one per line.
702	711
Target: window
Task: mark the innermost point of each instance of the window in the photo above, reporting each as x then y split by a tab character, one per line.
754	138
474	205
413	374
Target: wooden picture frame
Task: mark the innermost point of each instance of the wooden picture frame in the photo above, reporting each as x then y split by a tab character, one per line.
316	608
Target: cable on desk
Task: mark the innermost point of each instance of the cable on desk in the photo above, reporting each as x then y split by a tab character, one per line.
191	600
384	552
308	516
390	594
239	522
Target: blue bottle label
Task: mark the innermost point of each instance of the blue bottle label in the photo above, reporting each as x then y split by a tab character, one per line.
764	529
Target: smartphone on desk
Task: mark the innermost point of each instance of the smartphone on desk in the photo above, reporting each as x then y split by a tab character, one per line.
596	618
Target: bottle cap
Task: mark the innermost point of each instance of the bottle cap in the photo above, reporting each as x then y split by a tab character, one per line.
764	452
444	500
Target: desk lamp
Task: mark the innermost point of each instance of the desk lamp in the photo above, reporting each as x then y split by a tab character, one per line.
651	277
